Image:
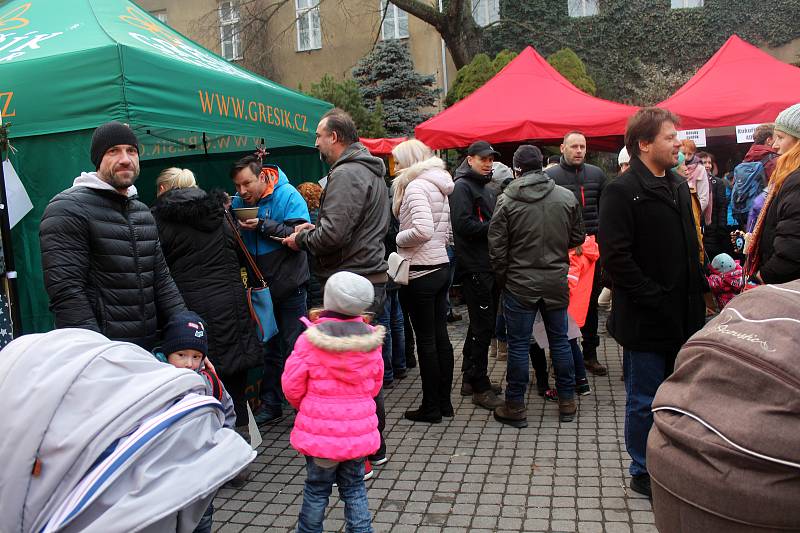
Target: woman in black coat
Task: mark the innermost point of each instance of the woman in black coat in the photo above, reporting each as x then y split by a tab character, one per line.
201	253
774	247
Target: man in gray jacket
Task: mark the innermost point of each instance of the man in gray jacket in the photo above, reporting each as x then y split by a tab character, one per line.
534	225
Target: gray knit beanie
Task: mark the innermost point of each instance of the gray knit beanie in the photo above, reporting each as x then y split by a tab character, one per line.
788	121
348	294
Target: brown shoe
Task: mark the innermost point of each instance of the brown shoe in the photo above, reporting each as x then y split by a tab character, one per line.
502	351
513	414
567	410
594	366
466	388
487	399
493	348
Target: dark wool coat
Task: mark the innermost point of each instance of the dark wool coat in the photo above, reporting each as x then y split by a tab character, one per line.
587	183
202	255
471	206
103	266
649	251
779	245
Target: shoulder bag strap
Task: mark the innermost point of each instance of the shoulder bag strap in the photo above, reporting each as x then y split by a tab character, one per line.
250	260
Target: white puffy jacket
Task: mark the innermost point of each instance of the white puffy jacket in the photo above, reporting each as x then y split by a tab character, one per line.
424	213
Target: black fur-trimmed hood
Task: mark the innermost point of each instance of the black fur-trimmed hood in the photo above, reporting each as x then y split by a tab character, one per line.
191	206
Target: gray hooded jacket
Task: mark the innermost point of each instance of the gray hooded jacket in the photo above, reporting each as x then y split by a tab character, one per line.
353	218
535	224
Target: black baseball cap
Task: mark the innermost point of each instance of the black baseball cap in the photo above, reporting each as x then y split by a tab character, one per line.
482	148
527	157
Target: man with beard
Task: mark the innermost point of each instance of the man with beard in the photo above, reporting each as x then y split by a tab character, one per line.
587	183
103	266
648	247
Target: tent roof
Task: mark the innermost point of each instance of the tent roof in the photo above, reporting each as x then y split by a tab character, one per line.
740	84
74	67
381	146
527	100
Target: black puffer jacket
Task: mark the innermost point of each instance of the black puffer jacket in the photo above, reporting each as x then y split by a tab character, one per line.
103	266
779	246
471	206
202	255
587	183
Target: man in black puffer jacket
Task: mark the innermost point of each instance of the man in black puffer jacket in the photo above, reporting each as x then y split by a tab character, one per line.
587	183
103	265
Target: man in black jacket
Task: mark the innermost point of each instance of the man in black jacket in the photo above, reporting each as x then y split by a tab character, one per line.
587	183
103	265
649	250
471	206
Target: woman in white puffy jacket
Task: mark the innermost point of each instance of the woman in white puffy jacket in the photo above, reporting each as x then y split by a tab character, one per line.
420	203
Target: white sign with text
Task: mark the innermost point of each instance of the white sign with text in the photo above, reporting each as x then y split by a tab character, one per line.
744	133
698	136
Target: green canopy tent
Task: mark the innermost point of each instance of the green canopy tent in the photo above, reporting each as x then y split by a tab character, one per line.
66	67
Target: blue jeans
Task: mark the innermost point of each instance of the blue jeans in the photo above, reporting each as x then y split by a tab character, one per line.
644	372
288	311
577	357
204	526
500	325
519	326
394	344
349	476
451	256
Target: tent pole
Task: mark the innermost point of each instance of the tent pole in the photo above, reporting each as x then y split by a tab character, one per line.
8	254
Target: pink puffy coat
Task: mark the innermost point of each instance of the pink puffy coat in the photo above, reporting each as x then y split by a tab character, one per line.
331	378
424	212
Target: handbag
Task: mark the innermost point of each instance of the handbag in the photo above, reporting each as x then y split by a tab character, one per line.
259	299
398	268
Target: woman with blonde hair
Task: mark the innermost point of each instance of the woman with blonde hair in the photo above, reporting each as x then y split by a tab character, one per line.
773	249
420	203
201	253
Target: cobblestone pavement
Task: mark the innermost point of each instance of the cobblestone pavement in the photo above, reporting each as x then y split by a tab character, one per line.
469	473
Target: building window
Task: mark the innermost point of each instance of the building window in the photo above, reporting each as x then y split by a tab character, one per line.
160	15
582	8
229	39
395	21
679	4
309	32
485	11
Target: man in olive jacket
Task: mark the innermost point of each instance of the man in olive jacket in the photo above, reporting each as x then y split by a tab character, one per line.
535	224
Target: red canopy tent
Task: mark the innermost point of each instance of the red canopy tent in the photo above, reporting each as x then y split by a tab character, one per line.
381	146
739	85
527	100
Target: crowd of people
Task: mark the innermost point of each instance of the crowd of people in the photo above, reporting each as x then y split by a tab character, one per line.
664	243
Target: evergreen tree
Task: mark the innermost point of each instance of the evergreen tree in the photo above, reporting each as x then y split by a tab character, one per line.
346	95
474	75
387	75
567	62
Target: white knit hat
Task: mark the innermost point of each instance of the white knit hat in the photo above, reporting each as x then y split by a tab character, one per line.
788	121
624	157
348	294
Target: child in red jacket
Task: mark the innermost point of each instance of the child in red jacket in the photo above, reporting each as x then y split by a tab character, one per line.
725	280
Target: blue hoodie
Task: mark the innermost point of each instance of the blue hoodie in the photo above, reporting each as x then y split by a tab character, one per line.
284	269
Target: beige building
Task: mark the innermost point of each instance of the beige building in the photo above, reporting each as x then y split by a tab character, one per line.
309	38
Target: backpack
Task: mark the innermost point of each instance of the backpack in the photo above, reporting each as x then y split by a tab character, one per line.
750	177
722	453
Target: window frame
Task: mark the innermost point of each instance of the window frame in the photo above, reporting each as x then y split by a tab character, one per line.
584	5
484	7
685	6
231	23
161	15
307	13
398	15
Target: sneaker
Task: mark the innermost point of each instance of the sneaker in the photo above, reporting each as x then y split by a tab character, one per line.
641	484
266	415
401	374
368	472
388	384
418	415
487	399
378	460
551	395
582	387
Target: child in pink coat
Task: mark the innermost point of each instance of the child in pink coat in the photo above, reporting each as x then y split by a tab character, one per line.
331	378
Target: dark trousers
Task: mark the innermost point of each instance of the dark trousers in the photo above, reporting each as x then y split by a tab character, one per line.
394	345
288	311
236	384
427	299
480	293
591	340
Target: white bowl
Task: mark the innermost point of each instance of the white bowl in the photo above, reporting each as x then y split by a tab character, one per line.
246	213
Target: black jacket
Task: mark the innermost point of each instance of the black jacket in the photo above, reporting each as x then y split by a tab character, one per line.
587	183
534	226
716	236
103	266
649	251
202	256
353	217
779	246
471	206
